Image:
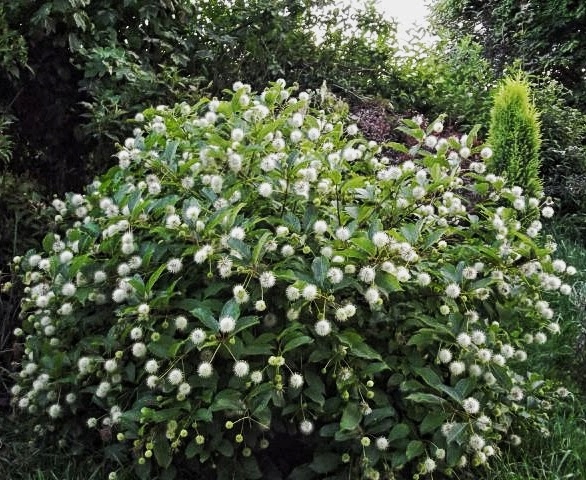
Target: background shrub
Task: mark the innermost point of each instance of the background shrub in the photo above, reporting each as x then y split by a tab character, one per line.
254	274
515	137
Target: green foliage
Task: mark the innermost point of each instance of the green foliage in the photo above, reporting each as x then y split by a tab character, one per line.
449	78
563	147
255	274
93	64
515	136
546	37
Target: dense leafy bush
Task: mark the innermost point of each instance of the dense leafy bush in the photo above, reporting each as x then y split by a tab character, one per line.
254	272
515	136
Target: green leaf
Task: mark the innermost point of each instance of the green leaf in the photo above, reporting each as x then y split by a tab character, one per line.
227	400
257	252
429	376
241	248
245	322
162	449
358	346
455	432
432	421
414	449
399	431
154	277
320	267
426	398
231	309
411	232
325	462
351	417
199	311
297	342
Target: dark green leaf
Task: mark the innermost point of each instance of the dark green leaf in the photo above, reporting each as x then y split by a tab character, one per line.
351	417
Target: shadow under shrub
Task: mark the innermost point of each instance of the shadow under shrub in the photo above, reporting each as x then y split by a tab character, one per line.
255	272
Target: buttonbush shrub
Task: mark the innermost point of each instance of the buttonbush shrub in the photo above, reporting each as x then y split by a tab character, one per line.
257	292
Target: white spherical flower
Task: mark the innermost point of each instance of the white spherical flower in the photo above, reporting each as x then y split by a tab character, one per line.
100	276
320	227
240	294
484	355
152	381
381	443
554	328
476	442
103	389
292	293
175	376
139	350
306	427
54	410
173	221
452	290
540	338
343	233
486	152
65	257
151	366
241	368
287	250
335	275
260	305
457	368
380	239
238	233
296	136
464	340
423	279
180	323
296	380
367	274
110	365
265	189
444	356
197	336
571	270
429	465
372	296
313	134
256	376
184	389
309	292
547	212
499	360
559	266
430	141
323	328
475	370
565	289
227	324
68	289
352	129
478	337
237	135
471	405
267	279
205	369
174	265
469	273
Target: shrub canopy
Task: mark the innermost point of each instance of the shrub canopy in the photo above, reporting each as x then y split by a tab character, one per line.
255	272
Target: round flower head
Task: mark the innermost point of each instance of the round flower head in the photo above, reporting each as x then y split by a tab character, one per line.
323	328
296	380
471	405
343	233
174	265
241	368
139	350
306	427
309	292
292	293
320	227
367	274
381	443
267	279
452	290
444	356
240	294
151	366
205	369
227	324
175	376
197	336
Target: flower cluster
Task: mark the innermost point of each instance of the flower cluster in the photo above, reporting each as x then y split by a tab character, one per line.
254	263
